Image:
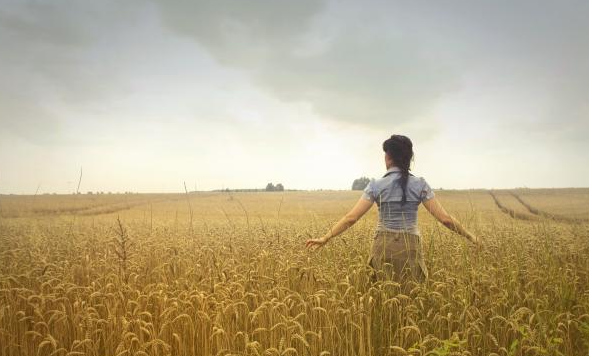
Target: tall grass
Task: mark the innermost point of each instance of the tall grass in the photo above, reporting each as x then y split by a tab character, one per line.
121	287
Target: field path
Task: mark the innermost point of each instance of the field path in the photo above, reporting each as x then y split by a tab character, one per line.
102	208
514	214
542	213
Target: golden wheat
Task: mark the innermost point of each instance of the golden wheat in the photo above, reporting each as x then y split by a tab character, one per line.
227	274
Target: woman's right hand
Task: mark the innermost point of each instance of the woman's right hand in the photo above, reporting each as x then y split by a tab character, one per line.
316	243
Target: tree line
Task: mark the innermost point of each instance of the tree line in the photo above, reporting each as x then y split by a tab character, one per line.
274	188
360	183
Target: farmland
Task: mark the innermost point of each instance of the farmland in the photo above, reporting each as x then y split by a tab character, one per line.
215	273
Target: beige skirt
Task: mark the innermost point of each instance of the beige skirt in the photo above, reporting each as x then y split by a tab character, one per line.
398	255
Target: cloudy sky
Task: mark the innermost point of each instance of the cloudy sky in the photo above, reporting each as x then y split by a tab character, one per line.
145	95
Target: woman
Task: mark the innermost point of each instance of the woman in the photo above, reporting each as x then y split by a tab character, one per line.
396	248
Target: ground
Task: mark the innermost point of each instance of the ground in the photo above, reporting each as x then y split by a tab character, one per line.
227	273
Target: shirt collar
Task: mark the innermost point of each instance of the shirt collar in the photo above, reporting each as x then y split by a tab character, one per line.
391	170
394	169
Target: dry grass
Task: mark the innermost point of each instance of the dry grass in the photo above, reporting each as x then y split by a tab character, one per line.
571	203
228	274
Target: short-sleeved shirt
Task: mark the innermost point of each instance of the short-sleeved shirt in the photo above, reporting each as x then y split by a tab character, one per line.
388	194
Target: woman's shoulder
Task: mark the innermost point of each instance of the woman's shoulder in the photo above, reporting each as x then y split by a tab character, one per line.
416	182
417	179
420	187
376	185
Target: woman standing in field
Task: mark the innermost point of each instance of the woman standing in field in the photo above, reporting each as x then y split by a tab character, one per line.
396	248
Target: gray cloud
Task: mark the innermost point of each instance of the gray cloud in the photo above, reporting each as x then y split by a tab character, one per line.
377	63
256	31
388	62
312	51
535	47
490	80
50	66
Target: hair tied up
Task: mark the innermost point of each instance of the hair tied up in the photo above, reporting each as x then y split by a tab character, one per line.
400	149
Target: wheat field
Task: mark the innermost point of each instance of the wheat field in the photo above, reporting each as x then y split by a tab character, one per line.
217	273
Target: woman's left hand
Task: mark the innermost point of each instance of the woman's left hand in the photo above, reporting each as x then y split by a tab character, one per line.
316	243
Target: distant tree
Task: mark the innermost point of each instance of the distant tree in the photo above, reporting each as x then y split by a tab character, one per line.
360	183
279	187
89	193
270	187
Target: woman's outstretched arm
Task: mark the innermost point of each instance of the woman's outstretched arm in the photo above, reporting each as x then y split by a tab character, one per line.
437	210
361	207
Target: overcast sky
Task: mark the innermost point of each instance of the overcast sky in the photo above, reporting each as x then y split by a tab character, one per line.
145	95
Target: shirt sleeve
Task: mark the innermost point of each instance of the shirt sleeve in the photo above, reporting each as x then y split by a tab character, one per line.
368	193
426	192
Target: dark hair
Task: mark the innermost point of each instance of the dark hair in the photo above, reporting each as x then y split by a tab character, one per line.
400	149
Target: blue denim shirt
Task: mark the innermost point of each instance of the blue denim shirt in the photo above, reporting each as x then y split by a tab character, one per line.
387	193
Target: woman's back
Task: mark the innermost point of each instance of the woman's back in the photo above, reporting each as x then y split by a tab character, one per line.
387	192
396	247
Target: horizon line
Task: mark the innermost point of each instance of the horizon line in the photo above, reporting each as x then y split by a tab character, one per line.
263	190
